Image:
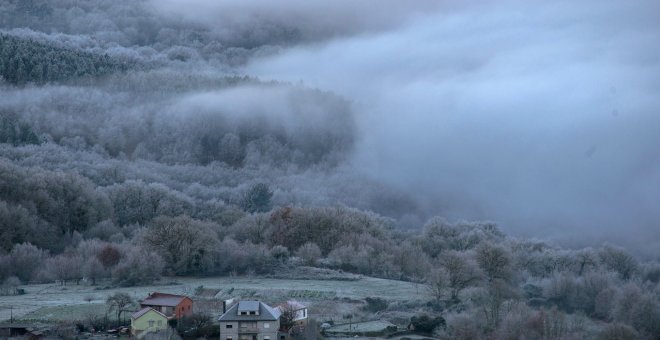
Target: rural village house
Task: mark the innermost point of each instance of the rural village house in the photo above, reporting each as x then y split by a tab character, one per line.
299	311
147	320
250	320
171	305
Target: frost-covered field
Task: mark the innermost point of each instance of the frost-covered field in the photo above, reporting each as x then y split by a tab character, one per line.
56	302
361	327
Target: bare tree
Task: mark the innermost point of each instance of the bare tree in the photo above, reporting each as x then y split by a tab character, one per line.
64	268
287	317
10	286
437	283
93	269
461	272
118	302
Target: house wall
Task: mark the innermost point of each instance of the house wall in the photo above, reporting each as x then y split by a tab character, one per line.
141	324
263	333
300	314
185	308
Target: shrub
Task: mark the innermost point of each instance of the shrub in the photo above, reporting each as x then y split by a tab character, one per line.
427	324
309	253
375	304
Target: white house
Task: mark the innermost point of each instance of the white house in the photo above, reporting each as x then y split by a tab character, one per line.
300	311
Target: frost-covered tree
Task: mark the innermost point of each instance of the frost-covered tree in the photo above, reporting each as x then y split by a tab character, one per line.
309	253
187	245
495	261
64	268
257	198
25	260
462	272
138	267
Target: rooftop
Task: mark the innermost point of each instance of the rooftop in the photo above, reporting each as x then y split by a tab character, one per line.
266	312
144	311
163	299
248	306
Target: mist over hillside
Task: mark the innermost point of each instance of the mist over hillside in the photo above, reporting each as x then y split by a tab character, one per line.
546	125
542	117
504	155
107	95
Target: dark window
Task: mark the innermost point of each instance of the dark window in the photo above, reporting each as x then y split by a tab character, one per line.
230	326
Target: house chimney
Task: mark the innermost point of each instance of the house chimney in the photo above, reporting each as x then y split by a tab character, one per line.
224	306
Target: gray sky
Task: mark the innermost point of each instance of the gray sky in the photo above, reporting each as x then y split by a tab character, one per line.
543	116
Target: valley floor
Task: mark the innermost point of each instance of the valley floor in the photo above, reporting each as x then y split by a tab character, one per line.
54	302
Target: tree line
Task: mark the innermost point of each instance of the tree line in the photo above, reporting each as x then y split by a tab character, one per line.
26	61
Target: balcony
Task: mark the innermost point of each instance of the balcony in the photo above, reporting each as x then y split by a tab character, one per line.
248	330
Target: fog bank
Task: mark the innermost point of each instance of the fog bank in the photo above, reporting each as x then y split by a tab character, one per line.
543	117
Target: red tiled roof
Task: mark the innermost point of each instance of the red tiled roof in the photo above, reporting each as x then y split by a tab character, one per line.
162	299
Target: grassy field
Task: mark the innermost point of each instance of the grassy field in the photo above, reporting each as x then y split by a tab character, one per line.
67	312
361	327
53	302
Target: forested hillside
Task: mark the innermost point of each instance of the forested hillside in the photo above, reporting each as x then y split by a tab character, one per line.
134	145
24	60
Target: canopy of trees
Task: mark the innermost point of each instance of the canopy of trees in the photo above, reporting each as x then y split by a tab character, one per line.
24	60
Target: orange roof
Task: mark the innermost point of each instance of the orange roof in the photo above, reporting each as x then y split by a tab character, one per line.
163	299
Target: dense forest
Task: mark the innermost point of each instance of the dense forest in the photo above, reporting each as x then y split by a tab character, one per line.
131	148
29	61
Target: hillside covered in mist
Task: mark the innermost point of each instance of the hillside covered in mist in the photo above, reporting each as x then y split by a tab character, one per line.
149	138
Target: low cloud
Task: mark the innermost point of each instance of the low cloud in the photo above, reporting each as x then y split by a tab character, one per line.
273	22
541	116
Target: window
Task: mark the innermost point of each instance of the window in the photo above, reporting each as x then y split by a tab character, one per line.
160	322
229	338
266	325
230	326
253	313
151	323
243	313
266	337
